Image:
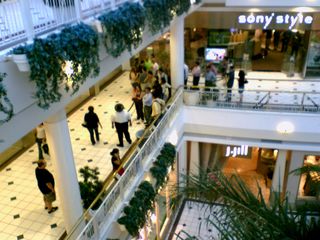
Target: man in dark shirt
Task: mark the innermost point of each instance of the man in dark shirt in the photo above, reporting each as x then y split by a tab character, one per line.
91	119
46	185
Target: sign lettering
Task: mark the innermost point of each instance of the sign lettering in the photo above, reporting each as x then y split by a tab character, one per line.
273	18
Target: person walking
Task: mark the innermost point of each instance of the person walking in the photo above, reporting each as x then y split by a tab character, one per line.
40	140
121	120
46	186
91	123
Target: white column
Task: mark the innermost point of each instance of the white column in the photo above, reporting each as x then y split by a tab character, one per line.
279	171
293	179
195	158
65	171
177	52
27	19
158	220
182	164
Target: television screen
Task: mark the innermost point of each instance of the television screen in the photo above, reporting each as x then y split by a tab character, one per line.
215	55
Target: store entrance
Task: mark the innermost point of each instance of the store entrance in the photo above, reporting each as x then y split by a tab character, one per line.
276	50
255	166
251	50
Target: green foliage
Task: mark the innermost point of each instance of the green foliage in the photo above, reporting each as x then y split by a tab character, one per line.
157	22
47	58
5	104
80	43
123	28
161	12
240	214
135	215
90	187
160	167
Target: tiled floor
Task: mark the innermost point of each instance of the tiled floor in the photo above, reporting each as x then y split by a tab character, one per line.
21	207
192	223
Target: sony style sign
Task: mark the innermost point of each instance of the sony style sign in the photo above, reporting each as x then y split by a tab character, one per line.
275	20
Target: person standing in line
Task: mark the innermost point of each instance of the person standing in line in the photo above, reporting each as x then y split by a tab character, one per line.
121	120
185	74
143	78
92	121
241	82
40	139
147	105
133	76
137	99
157	106
210	77
155	66
196	71
46	186
230	83
165	89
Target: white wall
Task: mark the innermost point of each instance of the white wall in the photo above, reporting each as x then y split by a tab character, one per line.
255	128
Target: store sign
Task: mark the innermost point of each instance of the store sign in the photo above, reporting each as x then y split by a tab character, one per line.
234	151
271	19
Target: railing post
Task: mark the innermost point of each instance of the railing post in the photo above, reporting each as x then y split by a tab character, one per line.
27	19
77	7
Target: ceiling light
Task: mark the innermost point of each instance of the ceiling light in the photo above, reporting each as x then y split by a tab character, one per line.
285	127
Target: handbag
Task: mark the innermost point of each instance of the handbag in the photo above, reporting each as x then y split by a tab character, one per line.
119	173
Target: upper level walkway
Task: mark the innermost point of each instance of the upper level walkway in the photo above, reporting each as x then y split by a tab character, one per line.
21	206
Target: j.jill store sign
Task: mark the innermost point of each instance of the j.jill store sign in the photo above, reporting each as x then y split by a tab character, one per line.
276	20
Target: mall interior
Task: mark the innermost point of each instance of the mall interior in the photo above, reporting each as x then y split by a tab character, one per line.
261	134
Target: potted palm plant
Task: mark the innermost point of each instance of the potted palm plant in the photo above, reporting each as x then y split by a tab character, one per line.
90	187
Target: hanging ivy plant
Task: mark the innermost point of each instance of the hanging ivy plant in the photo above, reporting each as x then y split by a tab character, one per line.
46	62
123	28
179	6
160	167
136	213
47	57
158	14
80	43
6	106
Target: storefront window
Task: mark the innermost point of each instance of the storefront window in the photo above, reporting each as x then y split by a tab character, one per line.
310	181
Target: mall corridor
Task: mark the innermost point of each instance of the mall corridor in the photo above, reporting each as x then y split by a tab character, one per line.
22	214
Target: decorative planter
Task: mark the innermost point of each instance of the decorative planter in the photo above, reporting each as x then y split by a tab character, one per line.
96	24
191	98
22	62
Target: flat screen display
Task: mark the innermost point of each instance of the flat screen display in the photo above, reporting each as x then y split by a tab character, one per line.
215	55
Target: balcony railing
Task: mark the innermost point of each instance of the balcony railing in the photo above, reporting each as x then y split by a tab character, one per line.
257	100
22	20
